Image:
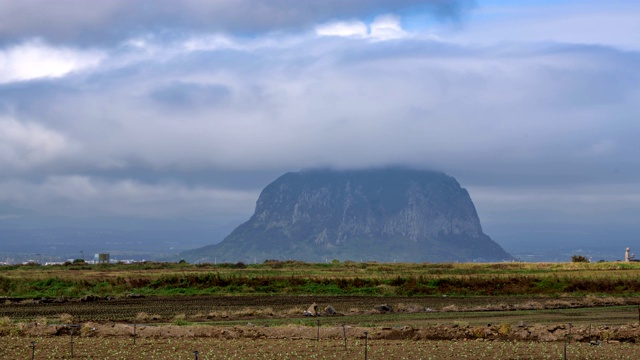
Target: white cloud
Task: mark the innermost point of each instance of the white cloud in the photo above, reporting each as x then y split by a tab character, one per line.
384	27
25	145
352	28
210	42
34	59
387	27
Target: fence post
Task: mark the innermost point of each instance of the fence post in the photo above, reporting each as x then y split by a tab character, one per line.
195	352
73	327
366	344
33	350
344	335
72	343
134	332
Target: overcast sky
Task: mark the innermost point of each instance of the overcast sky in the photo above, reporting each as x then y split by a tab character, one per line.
187	109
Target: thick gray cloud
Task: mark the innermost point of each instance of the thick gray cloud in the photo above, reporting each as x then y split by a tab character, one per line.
91	22
530	115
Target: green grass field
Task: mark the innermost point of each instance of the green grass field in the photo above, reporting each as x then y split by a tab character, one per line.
348	278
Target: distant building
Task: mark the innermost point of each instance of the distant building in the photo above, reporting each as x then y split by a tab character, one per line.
102	258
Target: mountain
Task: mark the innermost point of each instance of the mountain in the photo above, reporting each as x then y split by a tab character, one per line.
393	214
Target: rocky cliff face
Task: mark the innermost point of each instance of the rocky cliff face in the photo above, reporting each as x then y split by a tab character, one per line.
382	215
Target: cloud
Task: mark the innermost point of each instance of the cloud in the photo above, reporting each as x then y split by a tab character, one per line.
78	195
161	116
583	22
24	145
110	21
354	28
26	61
307	102
385	27
601	204
182	95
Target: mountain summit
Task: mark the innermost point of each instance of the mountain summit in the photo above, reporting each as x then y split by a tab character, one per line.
387	215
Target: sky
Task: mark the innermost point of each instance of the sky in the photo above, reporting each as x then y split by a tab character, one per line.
186	109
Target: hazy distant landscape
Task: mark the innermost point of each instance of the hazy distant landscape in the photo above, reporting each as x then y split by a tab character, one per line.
150	240
527	243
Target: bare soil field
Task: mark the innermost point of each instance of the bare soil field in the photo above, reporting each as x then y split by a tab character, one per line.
273	327
115	341
284	309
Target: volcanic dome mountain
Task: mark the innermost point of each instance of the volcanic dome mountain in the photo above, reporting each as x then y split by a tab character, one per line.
392	214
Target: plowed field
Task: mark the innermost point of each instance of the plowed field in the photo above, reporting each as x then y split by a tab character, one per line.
296	347
355	309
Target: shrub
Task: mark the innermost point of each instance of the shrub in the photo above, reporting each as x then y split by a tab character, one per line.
65	318
274	264
450	308
42	321
579	259
478	332
5	325
504	329
180	320
142	316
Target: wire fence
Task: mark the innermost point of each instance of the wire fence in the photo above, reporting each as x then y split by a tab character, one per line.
352	343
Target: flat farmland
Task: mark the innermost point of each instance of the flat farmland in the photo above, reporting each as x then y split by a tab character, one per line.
237	311
277	291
